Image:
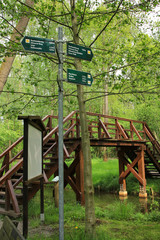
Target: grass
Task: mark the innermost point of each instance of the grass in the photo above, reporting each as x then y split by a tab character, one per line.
115	219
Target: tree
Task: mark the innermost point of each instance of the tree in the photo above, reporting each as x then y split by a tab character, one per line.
76	17
15	38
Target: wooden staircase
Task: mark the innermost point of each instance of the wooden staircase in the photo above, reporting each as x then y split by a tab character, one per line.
103	130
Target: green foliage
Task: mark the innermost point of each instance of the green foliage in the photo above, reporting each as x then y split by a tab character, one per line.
32	82
115	218
121	210
10	131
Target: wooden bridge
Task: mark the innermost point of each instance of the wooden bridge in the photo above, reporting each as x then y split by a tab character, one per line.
137	148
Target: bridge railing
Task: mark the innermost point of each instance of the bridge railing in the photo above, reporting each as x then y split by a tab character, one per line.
99	126
105	126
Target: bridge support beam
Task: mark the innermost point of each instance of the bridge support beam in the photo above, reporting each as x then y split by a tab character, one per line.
74	175
126	167
141	169
122	182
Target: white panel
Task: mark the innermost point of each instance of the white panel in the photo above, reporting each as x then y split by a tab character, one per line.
34	152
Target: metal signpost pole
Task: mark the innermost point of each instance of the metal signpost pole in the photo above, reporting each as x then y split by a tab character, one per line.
60	139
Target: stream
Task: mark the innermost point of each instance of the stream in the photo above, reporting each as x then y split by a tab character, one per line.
142	204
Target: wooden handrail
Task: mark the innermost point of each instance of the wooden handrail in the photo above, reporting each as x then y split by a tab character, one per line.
152	138
113	117
8	174
47	137
11	147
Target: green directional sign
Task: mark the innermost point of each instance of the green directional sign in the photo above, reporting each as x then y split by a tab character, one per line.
36	44
77	77
78	51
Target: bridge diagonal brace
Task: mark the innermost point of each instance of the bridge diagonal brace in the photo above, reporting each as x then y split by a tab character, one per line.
121	130
13	196
130	167
140	174
71	181
104	129
74	175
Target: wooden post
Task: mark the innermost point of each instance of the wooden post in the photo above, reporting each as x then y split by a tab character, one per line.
7	196
141	169
122	192
56	194
42	199
77	126
116	129
99	128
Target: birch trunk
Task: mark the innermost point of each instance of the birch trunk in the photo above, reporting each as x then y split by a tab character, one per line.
8	61
88	184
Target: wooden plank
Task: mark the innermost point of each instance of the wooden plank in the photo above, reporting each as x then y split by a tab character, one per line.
65	151
3	234
13	196
18	181
45	177
11	230
10	213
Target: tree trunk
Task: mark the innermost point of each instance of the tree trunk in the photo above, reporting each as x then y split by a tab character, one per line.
105	112
88	184
8	61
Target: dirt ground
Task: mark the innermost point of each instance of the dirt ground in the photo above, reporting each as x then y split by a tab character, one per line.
42	229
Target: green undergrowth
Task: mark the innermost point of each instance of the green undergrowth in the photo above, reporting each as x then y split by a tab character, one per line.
115	219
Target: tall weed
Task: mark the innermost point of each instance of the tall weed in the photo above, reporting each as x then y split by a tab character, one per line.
121	211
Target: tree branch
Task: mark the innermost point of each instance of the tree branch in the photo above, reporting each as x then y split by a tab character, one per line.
41	14
83	16
127	65
106	24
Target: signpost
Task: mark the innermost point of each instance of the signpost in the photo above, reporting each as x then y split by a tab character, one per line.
78	51
60	138
36	44
78	77
32	162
